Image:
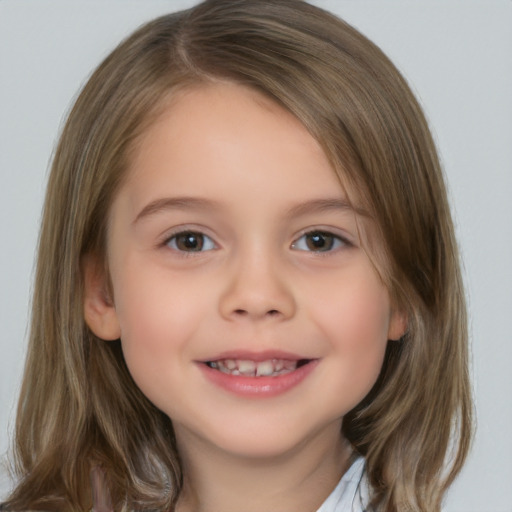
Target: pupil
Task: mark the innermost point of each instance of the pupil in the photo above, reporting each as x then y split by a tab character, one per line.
320	241
190	242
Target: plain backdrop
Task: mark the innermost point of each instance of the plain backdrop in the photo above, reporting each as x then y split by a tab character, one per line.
457	55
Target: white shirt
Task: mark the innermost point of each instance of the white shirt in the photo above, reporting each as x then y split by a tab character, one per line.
351	494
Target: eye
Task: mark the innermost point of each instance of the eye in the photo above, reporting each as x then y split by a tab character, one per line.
318	241
190	241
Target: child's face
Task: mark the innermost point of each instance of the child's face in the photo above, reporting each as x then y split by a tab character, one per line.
230	242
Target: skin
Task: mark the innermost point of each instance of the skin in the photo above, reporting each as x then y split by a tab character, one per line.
257	284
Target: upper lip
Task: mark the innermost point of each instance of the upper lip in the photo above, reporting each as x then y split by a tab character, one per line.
265	355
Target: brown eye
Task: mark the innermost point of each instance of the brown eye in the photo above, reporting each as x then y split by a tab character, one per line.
318	241
190	241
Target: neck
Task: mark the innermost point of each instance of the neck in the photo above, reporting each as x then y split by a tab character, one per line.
296	481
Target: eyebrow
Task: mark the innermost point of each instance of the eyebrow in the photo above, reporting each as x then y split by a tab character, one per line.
196	203
325	205
175	203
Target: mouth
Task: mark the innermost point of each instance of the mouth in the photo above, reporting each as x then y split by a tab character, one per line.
249	368
257	375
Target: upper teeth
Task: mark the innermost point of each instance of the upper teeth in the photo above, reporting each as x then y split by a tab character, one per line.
271	367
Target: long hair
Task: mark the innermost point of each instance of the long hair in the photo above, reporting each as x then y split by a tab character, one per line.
80	410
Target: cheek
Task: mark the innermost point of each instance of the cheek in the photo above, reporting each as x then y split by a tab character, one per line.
357	306
354	321
158	318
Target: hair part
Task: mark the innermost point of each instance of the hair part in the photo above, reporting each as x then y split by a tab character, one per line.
79	407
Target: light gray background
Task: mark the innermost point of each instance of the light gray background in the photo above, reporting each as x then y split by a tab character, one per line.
457	56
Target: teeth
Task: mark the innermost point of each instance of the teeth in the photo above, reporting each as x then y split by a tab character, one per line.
248	368
230	363
290	365
264	368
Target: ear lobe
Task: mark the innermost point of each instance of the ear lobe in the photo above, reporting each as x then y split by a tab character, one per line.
99	311
397	325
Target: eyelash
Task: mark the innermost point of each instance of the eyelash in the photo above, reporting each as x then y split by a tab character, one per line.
335	242
172	241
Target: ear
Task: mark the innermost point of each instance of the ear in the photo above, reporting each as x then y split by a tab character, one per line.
397	325
99	311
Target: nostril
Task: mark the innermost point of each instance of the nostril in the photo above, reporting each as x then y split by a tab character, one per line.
244	312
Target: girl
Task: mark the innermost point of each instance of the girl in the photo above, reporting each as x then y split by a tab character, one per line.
248	294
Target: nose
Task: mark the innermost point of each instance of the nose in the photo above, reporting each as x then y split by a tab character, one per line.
257	289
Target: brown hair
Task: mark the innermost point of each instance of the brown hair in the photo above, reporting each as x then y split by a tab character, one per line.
79	407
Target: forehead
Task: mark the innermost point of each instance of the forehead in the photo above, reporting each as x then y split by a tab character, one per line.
222	104
205	130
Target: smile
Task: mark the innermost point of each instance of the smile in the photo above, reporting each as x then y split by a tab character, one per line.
259	376
249	368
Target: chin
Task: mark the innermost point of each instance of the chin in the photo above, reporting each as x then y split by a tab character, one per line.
267	440
262	447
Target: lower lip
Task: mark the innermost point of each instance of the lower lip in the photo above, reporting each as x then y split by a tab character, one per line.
258	386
